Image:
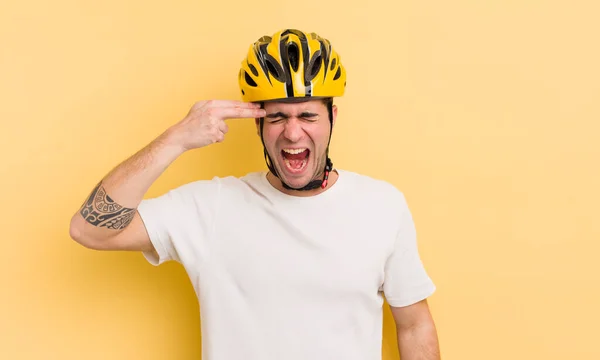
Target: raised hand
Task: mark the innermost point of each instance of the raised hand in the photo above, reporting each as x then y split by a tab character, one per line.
205	122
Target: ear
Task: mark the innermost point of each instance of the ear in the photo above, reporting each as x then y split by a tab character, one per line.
334	113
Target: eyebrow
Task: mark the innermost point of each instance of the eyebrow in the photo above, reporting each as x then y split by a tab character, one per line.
304	114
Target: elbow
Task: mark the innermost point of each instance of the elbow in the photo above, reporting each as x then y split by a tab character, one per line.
76	233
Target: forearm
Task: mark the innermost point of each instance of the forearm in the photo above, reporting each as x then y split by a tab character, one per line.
110	206
128	183
419	342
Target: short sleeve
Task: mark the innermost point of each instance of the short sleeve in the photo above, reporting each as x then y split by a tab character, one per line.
406	281
180	222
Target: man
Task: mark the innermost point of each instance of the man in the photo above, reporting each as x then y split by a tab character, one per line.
289	264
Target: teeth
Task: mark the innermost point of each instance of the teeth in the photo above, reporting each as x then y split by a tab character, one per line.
294	151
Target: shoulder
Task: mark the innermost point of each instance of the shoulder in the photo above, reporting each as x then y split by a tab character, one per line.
219	183
371	186
379	198
209	190
375	192
228	187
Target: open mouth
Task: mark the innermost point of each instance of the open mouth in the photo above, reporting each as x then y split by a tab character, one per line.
295	160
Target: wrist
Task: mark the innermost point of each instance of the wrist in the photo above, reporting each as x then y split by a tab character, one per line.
171	141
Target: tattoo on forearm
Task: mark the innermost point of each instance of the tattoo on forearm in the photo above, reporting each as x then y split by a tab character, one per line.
100	210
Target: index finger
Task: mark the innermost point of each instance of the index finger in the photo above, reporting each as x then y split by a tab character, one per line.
241	113
233	104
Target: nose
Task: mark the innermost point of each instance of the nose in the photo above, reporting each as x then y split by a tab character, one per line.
293	130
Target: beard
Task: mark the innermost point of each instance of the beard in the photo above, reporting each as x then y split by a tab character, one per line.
294	176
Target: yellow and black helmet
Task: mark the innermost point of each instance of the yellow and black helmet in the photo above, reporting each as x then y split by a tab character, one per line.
291	64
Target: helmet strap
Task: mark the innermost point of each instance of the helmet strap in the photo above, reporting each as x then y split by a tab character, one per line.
314	184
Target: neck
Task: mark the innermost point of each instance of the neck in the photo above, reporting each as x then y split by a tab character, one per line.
276	183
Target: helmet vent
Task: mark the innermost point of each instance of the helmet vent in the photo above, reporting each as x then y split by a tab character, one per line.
338	73
333	62
293	55
314	66
249	80
274	68
253	69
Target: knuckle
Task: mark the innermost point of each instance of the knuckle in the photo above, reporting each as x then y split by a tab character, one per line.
211	112
214	123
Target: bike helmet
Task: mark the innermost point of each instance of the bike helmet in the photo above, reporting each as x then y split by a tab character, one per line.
291	64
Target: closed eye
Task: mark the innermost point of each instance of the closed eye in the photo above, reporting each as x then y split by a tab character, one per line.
276	117
279	116
309	116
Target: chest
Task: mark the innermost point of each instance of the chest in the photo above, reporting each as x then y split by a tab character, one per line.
320	253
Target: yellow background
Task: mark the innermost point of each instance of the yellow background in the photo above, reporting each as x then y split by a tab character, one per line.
484	113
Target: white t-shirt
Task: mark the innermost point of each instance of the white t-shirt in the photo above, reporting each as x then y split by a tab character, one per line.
285	277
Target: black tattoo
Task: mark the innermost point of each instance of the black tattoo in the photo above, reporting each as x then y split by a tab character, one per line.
100	210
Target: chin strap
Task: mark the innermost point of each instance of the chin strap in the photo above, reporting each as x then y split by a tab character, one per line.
314	184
